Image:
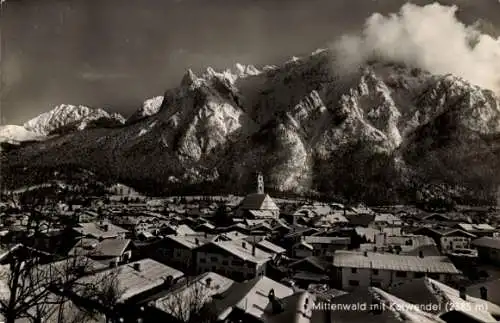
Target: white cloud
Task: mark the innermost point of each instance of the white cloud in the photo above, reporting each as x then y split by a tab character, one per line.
429	37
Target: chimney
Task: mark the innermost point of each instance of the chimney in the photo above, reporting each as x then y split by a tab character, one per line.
253	250
105	227
462	294
196	241
244	245
365	253
276	305
421	254
484	293
137	266
112	264
208	281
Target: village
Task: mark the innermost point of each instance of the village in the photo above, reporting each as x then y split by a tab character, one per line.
129	258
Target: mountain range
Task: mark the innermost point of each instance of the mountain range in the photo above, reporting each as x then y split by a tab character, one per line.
386	133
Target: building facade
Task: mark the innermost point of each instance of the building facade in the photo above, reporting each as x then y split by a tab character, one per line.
357	269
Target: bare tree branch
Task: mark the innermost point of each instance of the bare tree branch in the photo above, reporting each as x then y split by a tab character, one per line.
188	303
35	289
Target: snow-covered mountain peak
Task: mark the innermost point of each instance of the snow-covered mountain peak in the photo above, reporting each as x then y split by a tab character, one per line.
225	76
66	115
189	79
246	70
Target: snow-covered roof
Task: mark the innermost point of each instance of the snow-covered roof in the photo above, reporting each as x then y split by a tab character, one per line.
99	230
488	242
386	261
191	241
327	240
199	289
267	245
476	227
258	201
476	308
243	250
184	230
251	297
132	281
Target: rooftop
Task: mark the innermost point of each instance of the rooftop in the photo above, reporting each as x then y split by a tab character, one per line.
99	229
476	227
132	281
113	247
267	245
488	242
243	250
386	261
199	289
191	241
250	297
327	240
257	201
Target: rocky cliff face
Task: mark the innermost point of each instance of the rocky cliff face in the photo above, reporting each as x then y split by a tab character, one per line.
378	135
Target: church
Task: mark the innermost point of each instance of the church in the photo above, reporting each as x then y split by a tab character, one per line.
258	205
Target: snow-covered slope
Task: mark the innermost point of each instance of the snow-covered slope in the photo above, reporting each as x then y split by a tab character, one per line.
15	134
149	108
377	135
71	117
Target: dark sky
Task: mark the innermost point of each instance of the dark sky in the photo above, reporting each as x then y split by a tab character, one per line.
116	53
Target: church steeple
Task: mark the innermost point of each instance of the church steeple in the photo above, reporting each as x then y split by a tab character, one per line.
260	184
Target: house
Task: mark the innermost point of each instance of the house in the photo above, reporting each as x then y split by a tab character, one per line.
449	239
262	228
206	227
488	249
233	235
386	220
370	305
258	205
310	270
360	220
147	225
322	246
402	243
179	250
420	300
488	290
479	230
362	269
135	281
108	251
296	233
436	298
256	300
330	220
100	230
236	259
199	289
269	247
370	233
312	211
